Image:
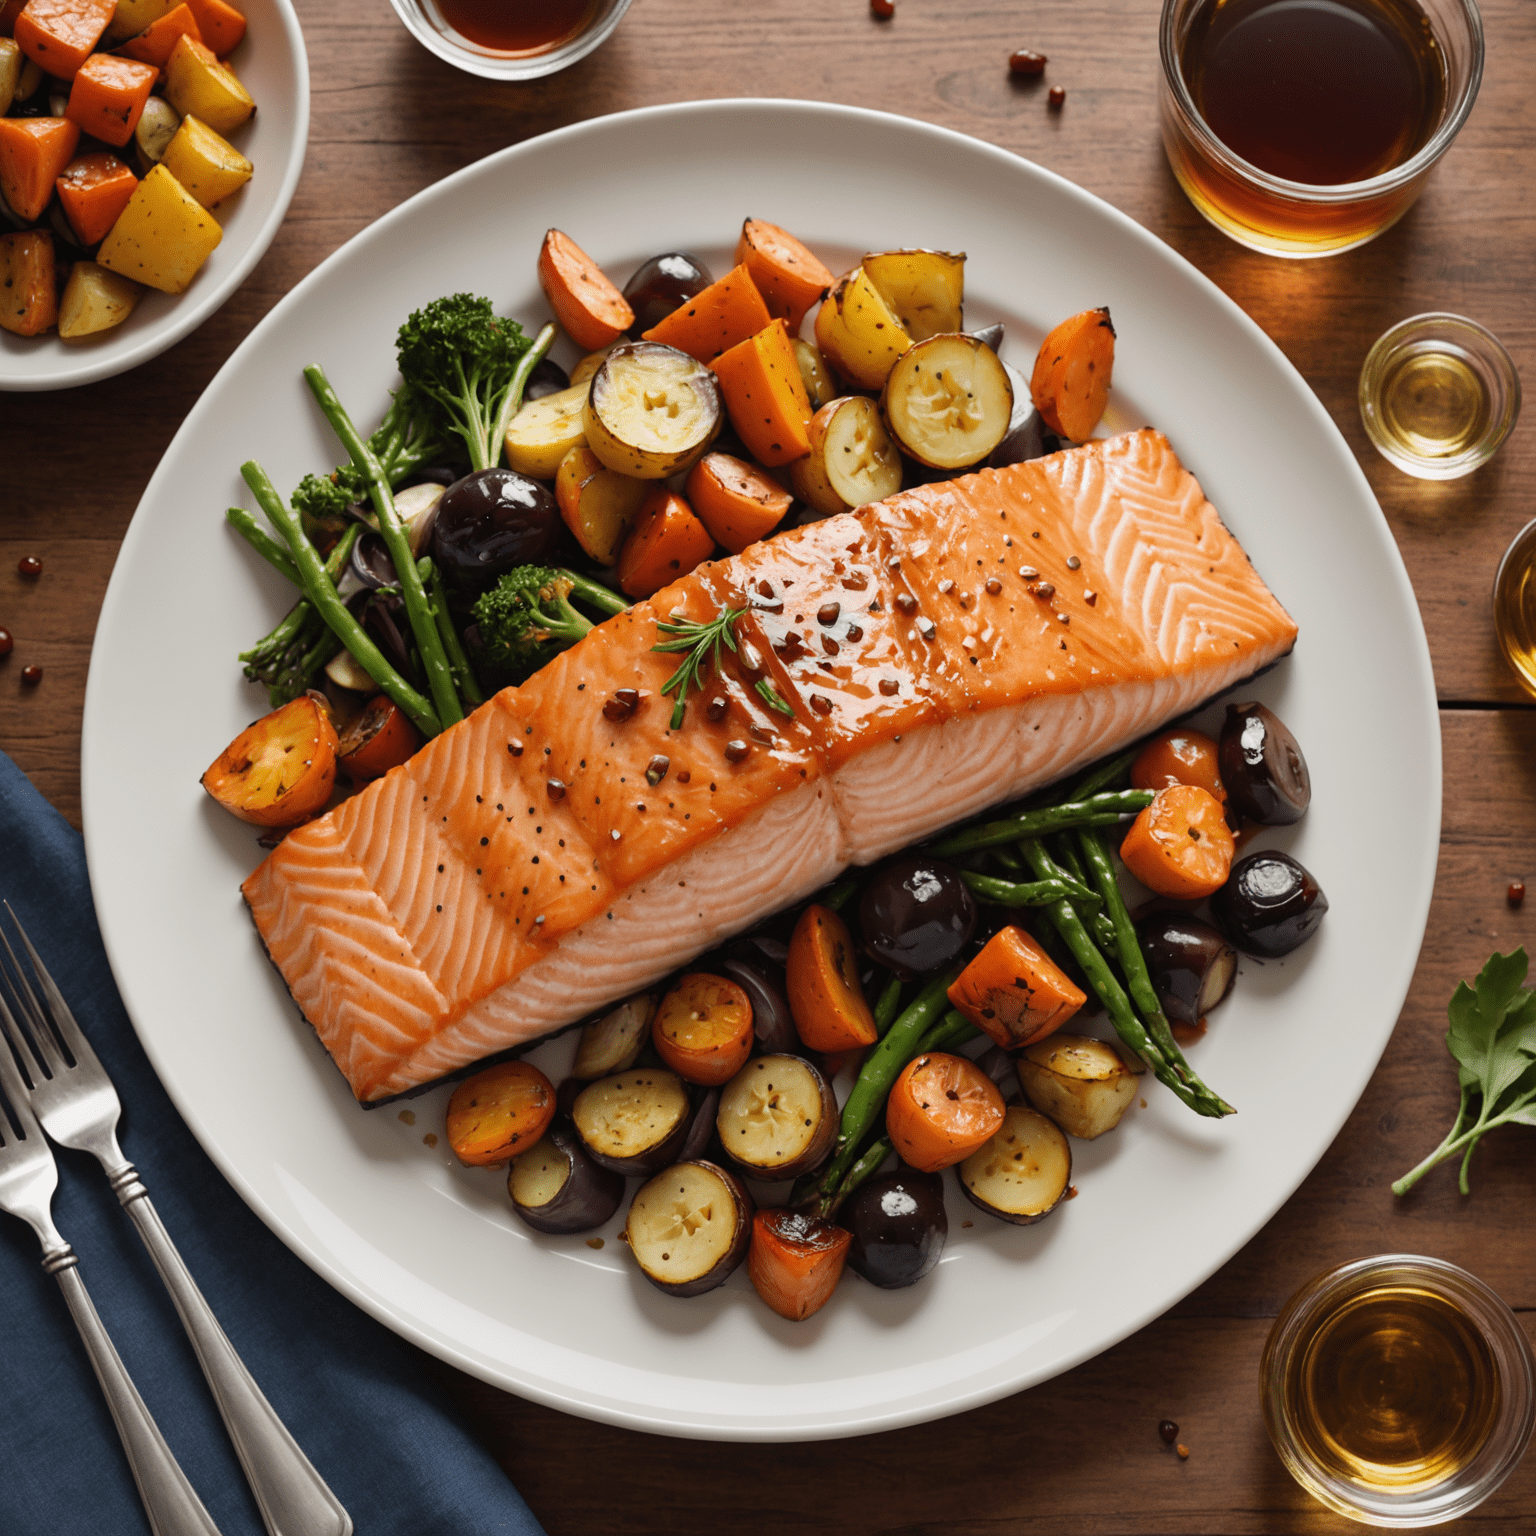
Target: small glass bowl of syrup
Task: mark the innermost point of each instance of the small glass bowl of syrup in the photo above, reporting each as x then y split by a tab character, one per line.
511	39
1399	1391
1306	127
1438	395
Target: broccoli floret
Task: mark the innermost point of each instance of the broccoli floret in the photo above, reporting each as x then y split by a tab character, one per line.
459	355
527	618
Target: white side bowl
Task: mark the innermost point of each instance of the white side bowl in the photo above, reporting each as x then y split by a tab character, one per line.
272	65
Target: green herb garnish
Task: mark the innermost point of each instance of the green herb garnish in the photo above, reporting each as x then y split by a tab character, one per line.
702	643
1493	1038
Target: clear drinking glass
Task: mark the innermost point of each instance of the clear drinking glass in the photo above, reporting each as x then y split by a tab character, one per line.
1395	1386
1293	218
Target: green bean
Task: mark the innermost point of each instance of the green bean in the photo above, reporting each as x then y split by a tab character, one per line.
458	662
889	1005
1030	893
1094	811
952	1030
1122	1015
429	645
317	587
837	898
1102	775
862	1171
1133	964
881	1068
263	543
1007	859
1067	864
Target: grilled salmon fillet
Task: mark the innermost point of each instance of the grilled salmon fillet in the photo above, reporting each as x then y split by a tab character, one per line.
952	647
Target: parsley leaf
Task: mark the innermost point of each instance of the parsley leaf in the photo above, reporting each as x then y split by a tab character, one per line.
1492	1035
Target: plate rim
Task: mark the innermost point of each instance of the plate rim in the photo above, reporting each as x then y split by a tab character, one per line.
186	318
955	1398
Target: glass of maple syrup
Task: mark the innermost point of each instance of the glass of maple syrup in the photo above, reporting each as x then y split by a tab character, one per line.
511	39
1399	1391
1438	395
1305	127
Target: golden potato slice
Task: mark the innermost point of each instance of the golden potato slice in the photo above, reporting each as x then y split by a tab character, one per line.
545	430
652	411
814	374
599	505
589	365
95	300
948	401
852	459
1084	1085
857	332
279	771
923	289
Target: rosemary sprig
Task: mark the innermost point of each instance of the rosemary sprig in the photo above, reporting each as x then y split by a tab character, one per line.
702	642
773	698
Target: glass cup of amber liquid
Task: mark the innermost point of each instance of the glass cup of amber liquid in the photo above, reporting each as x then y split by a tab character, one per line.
1306	127
1399	1391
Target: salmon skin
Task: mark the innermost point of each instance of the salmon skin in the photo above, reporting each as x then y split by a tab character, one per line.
953	647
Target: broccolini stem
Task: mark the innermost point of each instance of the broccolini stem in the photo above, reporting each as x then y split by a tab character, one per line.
514	397
429	645
322	594
595	593
275	643
262	542
463	672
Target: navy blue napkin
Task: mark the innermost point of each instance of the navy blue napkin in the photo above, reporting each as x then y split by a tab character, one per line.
360	1401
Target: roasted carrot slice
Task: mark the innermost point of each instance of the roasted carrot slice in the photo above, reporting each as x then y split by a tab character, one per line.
29	289
1014	992
154	44
789	277
765	395
795	1261
940	1110
58	35
93	190
735	500
1070	382
822	983
724	314
221	25
703	1029
1179	756
382	737
1180	845
108	95
33	154
666	543
591	311
498	1113
279	771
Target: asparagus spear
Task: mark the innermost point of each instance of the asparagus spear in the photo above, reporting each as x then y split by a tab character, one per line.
1098	810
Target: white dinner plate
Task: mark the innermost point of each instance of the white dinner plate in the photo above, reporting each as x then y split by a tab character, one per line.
274	68
435	1251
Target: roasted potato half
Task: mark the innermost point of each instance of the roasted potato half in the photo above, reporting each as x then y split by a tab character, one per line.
1084	1085
1021	1174
599	505
690	1227
852	459
857	331
279	771
611	1043
545	430
923	289
948	401
95	300
653	411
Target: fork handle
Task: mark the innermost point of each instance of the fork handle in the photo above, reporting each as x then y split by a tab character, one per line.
294	1498
174	1509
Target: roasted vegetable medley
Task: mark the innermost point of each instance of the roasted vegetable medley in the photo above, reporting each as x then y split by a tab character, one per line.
114	150
486	524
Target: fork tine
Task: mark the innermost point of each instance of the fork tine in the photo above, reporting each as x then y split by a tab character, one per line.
40	1026
12	1031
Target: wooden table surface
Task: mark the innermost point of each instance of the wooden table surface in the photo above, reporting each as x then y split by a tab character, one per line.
1081	1453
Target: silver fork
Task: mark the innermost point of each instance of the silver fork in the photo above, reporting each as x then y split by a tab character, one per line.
28	1178
78	1106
